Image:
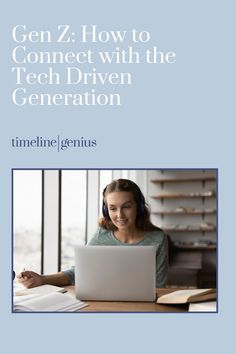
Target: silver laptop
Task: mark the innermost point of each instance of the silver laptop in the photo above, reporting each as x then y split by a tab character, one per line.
115	273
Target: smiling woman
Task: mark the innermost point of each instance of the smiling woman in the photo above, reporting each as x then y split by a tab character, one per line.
125	221
122	210
125	194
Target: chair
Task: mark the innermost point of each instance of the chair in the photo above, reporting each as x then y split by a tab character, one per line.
184	266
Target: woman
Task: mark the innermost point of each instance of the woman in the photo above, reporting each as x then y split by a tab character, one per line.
125	221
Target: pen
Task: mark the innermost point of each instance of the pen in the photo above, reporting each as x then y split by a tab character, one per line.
23	270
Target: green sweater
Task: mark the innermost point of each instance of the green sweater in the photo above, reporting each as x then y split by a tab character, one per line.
152	238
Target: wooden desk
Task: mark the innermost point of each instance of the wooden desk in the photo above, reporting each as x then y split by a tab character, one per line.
119	306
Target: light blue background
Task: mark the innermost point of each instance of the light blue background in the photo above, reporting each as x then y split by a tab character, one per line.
174	116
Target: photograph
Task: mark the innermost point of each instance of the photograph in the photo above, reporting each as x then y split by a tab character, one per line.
109	240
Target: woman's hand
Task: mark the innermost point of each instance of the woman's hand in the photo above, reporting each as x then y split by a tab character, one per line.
30	279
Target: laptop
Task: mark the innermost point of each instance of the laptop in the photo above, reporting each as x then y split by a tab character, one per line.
115	273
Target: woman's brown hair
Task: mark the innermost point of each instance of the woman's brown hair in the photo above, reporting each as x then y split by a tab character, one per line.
143	213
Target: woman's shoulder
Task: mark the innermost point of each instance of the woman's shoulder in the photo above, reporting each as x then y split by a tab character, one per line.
102	235
157	235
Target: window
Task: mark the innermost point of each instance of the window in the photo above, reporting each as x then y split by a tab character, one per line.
104	180
27	219
52	211
73	213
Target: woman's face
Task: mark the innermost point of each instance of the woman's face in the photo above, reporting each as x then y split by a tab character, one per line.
122	209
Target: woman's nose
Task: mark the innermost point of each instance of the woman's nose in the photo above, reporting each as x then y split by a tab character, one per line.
120	213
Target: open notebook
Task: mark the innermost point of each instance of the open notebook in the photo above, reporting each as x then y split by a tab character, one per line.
45	298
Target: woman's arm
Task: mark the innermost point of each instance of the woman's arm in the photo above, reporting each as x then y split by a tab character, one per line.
31	279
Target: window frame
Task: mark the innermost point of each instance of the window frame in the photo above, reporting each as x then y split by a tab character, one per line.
51	209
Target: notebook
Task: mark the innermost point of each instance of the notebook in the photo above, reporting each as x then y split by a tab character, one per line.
115	273
50	302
